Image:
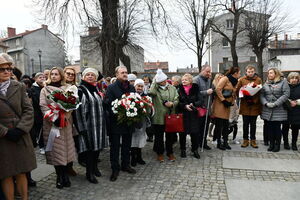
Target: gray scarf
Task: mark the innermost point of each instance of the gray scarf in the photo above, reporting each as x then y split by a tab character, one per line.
3	87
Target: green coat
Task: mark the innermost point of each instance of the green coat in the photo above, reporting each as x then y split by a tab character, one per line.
160	95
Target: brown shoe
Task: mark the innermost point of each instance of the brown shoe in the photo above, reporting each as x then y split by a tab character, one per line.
160	158
253	144
171	158
245	143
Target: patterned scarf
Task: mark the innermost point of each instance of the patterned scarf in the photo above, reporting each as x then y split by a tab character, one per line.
3	87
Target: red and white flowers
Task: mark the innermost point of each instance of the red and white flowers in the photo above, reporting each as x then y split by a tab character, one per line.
249	90
132	108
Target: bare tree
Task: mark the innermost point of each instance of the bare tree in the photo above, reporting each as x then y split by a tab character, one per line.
3	34
120	21
264	20
236	8
196	14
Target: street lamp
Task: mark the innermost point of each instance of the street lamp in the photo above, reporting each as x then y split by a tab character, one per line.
40	57
32	68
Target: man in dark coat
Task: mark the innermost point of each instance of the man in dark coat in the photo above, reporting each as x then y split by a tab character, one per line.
203	80
115	91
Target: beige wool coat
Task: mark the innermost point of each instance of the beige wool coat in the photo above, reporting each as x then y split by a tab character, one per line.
219	110
16	157
63	150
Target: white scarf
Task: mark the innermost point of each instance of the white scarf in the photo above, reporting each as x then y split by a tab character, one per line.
3	87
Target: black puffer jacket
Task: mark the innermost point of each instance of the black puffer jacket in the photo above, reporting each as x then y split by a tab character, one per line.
190	118
294	113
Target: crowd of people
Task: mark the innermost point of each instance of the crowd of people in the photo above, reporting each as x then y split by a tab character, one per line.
205	103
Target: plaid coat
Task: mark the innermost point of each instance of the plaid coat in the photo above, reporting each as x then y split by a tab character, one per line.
90	121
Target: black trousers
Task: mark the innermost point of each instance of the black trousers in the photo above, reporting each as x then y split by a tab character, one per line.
195	138
265	132
115	150
159	145
202	131
249	122
221	129
285	132
274	131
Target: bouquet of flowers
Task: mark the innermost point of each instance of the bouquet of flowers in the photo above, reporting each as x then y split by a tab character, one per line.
249	90
62	102
132	108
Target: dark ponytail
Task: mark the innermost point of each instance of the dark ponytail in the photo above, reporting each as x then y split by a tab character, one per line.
232	70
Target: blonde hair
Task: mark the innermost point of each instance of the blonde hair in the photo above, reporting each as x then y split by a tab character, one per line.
75	77
62	75
293	75
215	81
189	77
278	74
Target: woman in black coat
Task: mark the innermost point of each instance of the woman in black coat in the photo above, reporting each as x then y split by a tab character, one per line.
293	113
189	99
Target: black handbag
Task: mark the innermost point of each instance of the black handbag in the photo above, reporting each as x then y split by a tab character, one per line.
227	93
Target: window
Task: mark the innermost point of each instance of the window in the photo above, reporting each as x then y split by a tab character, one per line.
252	59
229	23
17	42
225	59
225	42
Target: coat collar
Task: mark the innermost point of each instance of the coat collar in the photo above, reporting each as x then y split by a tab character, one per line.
11	90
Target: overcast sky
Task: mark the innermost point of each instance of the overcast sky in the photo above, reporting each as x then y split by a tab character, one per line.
20	15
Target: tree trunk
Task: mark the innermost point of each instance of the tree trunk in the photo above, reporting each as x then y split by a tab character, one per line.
260	66
235	61
125	59
109	32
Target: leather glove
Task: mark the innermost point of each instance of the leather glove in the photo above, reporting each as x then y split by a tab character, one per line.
227	103
57	122
14	134
270	105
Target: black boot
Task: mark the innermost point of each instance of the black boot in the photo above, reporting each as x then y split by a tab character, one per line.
294	141
65	176
139	158
226	145
271	147
133	153
196	154
30	181
286	146
114	175
90	168
59	176
294	146
277	145
220	145
96	170
183	154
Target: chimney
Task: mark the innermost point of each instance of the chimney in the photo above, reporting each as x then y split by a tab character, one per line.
11	32
45	26
276	41
94	30
298	36
286	37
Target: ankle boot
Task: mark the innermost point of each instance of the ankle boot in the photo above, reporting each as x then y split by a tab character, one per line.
220	145
133	157
30	181
59	178
139	158
95	162
226	145
65	176
286	146
196	154
294	146
276	148
183	154
90	169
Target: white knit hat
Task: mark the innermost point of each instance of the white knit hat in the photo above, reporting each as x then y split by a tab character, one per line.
131	77
138	82
87	70
160	76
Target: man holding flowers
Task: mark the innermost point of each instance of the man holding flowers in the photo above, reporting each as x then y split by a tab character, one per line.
250	106
119	130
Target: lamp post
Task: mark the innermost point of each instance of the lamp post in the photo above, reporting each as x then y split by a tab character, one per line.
32	68
40	57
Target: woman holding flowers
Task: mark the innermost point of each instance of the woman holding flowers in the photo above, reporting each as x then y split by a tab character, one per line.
273	95
250	106
90	123
58	137
165	100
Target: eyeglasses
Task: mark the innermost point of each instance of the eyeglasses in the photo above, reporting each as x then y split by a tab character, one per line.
9	69
70	74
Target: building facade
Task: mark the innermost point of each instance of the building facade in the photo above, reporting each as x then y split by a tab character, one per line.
153	66
91	53
35	50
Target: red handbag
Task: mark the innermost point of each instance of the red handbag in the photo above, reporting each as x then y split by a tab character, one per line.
201	111
174	123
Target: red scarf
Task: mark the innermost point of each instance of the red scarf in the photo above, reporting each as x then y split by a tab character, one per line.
187	89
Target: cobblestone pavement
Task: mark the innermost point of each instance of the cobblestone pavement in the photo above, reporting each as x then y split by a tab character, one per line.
186	178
